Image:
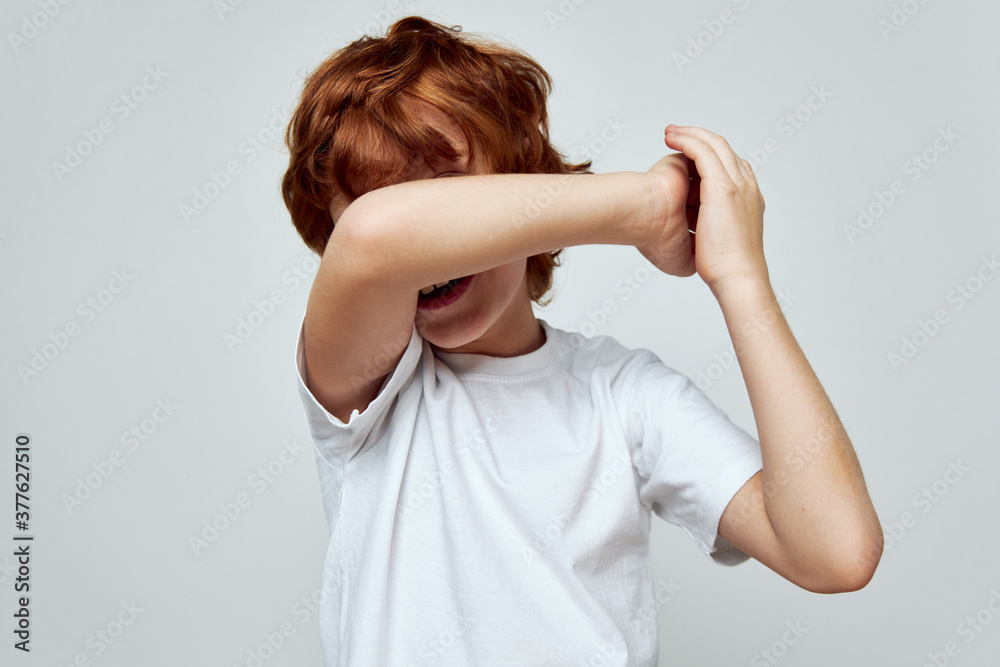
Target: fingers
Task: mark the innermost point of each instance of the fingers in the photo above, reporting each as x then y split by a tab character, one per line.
692	172
752	178
706	160
695	140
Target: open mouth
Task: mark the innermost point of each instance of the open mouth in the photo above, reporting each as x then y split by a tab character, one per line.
444	295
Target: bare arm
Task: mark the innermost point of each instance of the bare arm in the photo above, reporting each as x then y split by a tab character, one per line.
807	515
393	241
433	230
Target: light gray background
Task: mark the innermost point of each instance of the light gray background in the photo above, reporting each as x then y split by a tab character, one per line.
850	303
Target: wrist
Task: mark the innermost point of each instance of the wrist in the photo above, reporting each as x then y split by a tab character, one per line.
628	198
638	228
742	286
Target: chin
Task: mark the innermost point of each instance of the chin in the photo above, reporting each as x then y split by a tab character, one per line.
447	341
447	335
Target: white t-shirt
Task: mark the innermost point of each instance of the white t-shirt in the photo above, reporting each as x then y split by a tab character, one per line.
496	511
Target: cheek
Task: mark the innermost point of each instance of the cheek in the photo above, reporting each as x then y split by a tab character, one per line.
504	281
520	276
513	274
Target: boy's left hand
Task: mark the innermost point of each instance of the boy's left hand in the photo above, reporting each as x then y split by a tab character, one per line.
729	219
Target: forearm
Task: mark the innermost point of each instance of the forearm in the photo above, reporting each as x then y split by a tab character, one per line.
432	230
814	492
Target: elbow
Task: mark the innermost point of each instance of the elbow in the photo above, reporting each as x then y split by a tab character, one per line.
362	237
864	556
849	580
851	571
866	559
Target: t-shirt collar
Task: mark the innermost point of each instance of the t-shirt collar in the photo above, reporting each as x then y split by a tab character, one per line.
532	362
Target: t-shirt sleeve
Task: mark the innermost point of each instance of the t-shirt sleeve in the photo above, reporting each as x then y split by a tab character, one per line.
690	457
337	441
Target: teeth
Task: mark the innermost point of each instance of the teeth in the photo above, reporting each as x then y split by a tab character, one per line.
428	290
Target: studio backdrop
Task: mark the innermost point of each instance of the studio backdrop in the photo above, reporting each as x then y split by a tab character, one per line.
169	509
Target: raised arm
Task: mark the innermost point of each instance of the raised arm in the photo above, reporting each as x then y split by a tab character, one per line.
391	242
807	515
428	231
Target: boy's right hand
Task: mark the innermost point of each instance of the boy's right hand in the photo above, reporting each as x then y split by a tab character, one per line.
671	244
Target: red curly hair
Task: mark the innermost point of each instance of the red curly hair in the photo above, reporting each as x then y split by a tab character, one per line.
356	127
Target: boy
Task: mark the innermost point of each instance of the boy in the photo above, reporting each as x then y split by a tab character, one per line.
488	478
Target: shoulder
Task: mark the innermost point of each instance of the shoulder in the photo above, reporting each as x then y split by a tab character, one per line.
604	358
